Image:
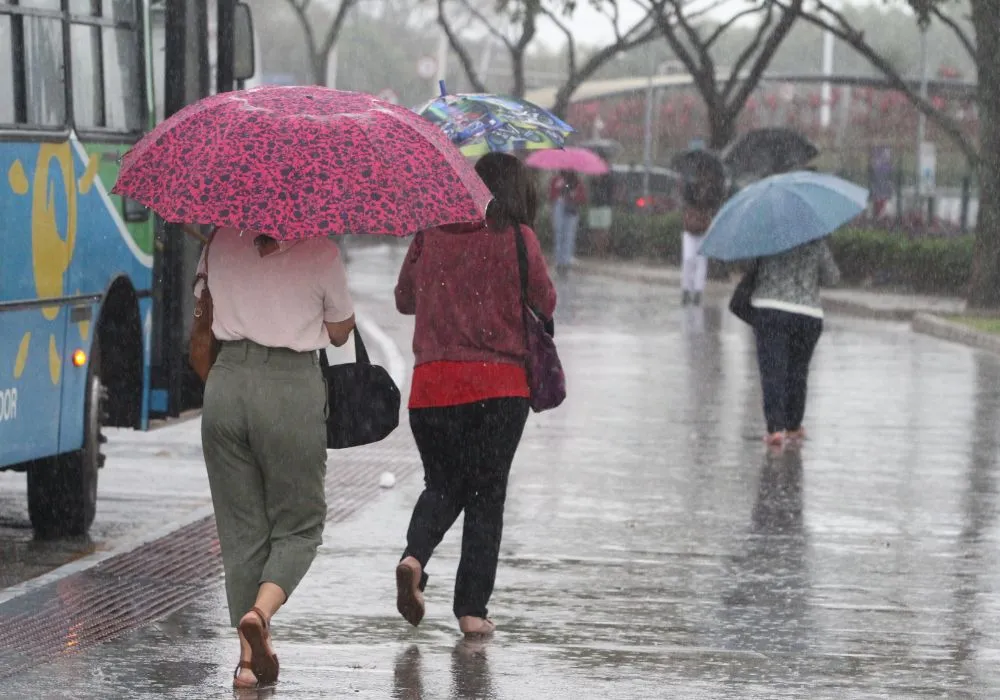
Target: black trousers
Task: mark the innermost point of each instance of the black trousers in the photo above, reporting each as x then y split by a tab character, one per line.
467	451
785	345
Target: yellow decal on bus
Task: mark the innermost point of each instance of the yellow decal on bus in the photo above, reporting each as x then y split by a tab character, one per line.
52	241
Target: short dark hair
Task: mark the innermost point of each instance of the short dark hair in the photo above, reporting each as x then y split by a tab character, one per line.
515	199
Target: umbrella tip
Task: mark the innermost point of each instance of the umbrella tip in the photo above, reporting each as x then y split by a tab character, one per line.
444	90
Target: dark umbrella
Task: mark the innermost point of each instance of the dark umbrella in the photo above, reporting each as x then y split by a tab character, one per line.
703	175
763	152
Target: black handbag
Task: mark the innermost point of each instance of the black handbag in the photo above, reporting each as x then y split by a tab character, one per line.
363	400
739	303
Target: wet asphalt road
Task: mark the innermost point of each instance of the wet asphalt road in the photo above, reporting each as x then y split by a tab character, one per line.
653	548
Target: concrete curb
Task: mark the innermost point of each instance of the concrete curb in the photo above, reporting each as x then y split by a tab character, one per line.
672	277
935	326
859	310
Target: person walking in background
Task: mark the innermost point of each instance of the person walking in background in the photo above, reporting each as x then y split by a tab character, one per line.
567	196
599	214
694	266
469	393
273	305
702	198
788	322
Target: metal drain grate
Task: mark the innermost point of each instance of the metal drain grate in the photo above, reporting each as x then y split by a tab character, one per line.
154	580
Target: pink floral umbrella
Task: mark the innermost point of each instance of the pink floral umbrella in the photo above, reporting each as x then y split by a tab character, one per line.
573	158
298	162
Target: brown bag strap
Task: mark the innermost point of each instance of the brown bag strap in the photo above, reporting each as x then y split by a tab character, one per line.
208	244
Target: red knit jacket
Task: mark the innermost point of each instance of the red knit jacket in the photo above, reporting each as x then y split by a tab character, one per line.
463	286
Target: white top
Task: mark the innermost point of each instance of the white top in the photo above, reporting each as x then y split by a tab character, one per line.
280	300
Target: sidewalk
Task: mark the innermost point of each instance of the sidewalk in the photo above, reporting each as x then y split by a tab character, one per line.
856	302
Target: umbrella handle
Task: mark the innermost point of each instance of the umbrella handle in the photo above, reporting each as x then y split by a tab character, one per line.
444	90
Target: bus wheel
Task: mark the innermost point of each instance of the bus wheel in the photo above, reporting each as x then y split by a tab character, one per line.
62	491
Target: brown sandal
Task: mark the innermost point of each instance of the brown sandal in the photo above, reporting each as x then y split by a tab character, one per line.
237	683
263	661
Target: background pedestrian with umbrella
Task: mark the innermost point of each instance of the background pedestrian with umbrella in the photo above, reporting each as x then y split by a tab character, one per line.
278	170
568	196
768	151
703	189
779	223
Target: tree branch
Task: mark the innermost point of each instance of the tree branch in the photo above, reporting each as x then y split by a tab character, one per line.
725	26
702	68
570	41
640	33
488	24
967	43
748	52
528	28
763	60
338	24
299	8
841	28
463	54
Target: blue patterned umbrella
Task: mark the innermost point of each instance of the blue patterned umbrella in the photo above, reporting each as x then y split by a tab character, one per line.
480	123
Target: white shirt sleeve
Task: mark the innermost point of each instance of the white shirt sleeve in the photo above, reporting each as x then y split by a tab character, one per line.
199	283
337	303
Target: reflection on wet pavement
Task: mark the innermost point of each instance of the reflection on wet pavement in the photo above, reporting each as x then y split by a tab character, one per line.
654	548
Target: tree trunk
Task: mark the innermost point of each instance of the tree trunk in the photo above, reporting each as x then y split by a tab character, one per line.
319	71
722	128
984	282
520	84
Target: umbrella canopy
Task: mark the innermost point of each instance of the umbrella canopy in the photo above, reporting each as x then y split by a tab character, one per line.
579	160
480	123
782	212
608	149
297	162
704	177
763	152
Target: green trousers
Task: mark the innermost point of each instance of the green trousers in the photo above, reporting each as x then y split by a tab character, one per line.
264	435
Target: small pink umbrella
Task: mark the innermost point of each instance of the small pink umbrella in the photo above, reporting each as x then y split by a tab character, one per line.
298	162
573	158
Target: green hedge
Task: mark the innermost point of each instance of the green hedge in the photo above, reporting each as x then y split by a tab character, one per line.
935	265
634	235
929	265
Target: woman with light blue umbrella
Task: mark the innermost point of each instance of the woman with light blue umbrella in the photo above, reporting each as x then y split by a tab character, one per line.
780	223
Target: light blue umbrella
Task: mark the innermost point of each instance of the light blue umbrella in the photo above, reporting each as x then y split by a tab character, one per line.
782	212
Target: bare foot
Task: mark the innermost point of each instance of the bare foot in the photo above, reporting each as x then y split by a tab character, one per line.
409	597
797	435
775	440
472	626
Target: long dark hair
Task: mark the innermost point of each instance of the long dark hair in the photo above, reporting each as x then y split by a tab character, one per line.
515	200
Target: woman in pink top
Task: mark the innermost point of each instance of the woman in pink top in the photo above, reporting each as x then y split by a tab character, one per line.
263	424
469	396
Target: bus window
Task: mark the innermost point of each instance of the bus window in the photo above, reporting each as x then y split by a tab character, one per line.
6	71
43	67
122	79
88	85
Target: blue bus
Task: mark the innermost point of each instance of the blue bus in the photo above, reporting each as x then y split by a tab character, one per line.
94	292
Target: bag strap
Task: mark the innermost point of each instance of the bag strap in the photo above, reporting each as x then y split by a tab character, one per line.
522	262
208	244
360	352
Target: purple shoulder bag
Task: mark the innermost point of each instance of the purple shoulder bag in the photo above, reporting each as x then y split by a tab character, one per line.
546	379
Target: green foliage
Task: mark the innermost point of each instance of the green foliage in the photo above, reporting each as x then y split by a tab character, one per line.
931	265
866	257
